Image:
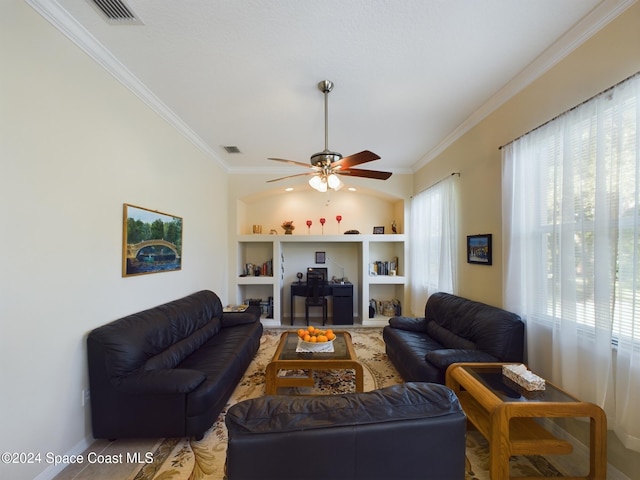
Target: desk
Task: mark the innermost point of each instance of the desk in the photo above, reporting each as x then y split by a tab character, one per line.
342	294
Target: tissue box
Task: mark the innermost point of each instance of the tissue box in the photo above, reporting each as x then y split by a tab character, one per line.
523	377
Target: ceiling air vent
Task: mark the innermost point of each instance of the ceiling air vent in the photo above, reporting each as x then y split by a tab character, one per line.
232	149
116	11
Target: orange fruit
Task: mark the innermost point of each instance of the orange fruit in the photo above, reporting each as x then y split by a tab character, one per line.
307	338
322	338
301	333
329	332
331	336
314	339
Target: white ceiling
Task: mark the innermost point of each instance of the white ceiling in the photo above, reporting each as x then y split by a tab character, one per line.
409	75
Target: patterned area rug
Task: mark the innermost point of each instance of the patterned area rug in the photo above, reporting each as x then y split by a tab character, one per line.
188	459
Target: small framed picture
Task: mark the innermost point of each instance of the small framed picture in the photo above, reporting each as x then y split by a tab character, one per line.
378	230
320	257
479	249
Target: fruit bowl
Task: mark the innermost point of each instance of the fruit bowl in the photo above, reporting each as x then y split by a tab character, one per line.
323	340
314	346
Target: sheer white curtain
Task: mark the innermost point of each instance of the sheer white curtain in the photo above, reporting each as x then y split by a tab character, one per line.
432	243
571	214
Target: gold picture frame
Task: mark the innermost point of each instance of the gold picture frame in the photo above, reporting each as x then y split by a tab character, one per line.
151	241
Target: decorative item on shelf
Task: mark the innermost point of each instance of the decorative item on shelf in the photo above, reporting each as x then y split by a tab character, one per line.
273	231
394	227
299	275
322	222
257	229
338	219
378	230
288	227
309	223
352	232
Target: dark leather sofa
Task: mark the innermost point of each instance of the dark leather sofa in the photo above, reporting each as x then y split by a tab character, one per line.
169	371
408	431
453	329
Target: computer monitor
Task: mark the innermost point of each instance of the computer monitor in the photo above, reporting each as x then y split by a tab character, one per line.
318	271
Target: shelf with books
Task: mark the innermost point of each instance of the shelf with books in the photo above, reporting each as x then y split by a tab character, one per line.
346	255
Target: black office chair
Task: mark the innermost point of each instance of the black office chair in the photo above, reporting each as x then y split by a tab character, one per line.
315	296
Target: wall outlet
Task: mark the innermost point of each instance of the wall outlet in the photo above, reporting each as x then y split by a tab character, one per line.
85	397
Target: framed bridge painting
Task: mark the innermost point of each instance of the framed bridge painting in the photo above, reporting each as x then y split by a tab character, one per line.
151	241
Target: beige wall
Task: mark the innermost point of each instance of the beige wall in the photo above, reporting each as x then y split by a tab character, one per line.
608	57
74	146
268	204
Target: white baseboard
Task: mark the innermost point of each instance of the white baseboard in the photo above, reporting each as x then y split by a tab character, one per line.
51	471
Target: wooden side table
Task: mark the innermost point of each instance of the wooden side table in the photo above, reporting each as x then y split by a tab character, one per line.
286	358
504	414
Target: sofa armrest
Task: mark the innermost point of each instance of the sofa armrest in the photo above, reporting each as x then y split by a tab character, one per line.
445	357
418	324
177	380
250	315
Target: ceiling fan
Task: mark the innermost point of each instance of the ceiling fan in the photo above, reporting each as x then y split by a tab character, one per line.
327	165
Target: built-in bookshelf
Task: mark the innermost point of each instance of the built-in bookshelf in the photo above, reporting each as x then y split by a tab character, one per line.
266	265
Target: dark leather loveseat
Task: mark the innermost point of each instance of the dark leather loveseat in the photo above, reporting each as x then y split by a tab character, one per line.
169	371
453	329
407	431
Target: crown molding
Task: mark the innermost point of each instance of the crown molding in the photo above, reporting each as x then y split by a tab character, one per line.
593	22
53	12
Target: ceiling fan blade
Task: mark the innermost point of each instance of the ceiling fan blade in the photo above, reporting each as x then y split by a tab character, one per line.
291	176
358	172
356	159
291	162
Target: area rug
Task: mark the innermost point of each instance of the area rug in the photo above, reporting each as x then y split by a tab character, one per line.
188	459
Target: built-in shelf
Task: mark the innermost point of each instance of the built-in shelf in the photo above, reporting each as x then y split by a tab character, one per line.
360	251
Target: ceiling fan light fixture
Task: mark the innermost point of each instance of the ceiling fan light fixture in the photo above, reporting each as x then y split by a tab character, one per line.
333	181
318	183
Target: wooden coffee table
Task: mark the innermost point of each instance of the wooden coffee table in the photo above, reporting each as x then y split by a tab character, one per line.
504	413
286	358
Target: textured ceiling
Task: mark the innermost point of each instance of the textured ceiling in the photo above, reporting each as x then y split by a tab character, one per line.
409	74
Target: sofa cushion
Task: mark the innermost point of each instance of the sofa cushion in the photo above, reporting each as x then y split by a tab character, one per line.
443	358
409	323
406	350
491	329
157	382
131	342
391	404
174	354
447	338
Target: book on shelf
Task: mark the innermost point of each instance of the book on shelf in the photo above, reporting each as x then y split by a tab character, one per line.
386	267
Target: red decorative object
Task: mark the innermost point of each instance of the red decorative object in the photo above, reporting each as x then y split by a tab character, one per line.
322	222
309	223
338	219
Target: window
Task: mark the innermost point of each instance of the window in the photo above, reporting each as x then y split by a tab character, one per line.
433	241
571	207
